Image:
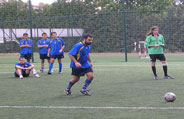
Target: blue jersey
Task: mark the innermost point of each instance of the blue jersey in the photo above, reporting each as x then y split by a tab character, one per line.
26	50
80	52
25	65
43	42
55	45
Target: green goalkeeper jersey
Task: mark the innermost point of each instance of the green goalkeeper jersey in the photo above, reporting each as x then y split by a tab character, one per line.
151	40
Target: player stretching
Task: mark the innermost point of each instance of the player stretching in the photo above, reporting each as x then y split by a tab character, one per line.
155	44
43	49
81	64
56	47
25	47
23	69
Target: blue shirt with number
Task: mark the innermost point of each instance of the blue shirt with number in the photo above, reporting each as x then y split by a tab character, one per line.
43	42
25	65
26	50
55	45
81	52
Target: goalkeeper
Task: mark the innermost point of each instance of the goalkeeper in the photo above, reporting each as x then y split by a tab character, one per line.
155	44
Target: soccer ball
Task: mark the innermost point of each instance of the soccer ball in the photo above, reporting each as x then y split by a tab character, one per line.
170	97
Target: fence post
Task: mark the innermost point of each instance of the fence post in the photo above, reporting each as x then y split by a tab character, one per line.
135	18
30	26
124	29
169	28
105	29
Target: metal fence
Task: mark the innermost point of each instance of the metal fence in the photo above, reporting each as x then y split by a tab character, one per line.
106	27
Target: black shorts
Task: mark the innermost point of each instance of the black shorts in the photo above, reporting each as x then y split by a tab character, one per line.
23	74
27	56
160	57
81	71
44	56
56	56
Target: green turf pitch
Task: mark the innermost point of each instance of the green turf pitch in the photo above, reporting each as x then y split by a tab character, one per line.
116	84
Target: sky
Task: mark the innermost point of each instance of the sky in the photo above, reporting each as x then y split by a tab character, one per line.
36	2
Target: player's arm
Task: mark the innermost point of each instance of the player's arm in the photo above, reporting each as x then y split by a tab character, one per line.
77	64
19	67
163	42
62	48
48	54
30	67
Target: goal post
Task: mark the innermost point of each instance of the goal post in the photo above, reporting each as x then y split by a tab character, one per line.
142	50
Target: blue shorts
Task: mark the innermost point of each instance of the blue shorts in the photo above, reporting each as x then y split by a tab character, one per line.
81	71
56	56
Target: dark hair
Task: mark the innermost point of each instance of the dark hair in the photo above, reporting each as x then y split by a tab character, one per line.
21	57
53	33
151	30
85	36
44	33
25	34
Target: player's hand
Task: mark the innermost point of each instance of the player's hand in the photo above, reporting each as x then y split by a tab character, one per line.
157	45
78	65
60	51
48	55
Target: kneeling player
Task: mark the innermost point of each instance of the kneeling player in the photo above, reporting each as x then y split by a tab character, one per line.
81	64
23	69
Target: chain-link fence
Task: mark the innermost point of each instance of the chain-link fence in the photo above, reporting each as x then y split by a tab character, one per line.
105	25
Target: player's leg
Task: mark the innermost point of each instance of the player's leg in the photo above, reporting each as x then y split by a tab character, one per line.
18	73
52	59
153	67
28	57
76	76
164	64
42	58
90	76
60	65
60	62
42	65
34	72
70	84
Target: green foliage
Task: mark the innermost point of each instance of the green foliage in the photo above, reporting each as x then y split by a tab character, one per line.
103	19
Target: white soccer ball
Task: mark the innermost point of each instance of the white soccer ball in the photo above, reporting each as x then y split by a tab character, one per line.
170	97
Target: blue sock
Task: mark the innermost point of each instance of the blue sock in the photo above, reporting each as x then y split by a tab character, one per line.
41	69
60	67
87	82
70	84
50	67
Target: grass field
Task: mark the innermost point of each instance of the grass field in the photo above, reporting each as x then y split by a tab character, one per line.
119	90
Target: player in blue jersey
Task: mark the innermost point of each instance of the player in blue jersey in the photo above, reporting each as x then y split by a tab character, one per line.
23	69
56	50
43	50
25	47
81	64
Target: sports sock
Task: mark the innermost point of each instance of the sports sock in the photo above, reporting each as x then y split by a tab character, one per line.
154	70
87	82
34	71
70	84
60	67
50	67
165	69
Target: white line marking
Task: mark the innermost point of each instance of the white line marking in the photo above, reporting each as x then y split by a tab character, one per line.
73	107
